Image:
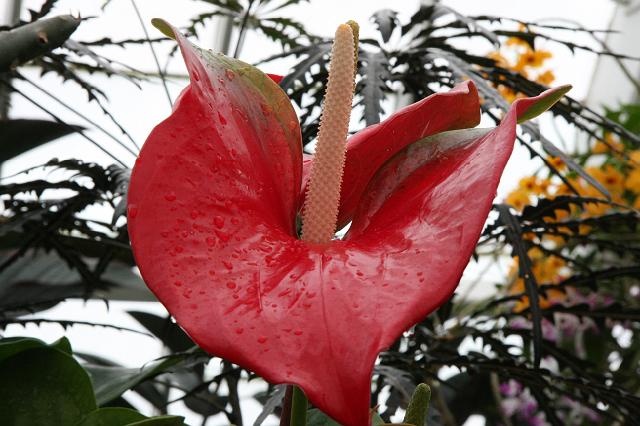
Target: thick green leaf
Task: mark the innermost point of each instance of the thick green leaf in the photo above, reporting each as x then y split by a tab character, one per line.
44	386
13	345
316	417
62	344
21	135
118	416
202	401
161	421
111	382
111	416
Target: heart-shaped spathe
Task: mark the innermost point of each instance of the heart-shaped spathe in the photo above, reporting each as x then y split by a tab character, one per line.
212	206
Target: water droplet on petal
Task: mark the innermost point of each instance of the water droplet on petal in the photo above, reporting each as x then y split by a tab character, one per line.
196	76
223	120
230	74
132	211
223	237
262	340
239	330
218	221
170	196
231	285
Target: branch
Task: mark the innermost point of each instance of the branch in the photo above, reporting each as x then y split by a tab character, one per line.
32	40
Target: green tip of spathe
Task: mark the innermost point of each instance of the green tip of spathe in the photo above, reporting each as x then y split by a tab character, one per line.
418	406
164	27
549	100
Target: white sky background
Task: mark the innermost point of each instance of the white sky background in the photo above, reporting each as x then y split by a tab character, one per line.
139	110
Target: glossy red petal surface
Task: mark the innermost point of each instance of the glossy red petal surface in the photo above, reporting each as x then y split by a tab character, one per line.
368	149
424	211
239	115
211	209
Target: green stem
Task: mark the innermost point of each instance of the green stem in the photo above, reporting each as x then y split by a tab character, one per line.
298	408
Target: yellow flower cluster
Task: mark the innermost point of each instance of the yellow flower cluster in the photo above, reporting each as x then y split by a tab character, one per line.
618	171
609	162
517	55
546	270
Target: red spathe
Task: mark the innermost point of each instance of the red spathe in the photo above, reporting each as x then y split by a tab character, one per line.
212	206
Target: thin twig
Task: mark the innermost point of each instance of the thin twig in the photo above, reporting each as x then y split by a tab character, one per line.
285	416
495	389
84	117
153	52
605	47
243	29
234	398
59	120
438	400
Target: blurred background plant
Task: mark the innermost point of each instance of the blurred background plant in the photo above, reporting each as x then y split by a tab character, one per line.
555	343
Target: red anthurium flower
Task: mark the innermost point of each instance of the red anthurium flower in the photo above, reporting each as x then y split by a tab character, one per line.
212	210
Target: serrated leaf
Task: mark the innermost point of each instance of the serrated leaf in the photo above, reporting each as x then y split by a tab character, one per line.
525	270
386	20
18	136
270	405
372	87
